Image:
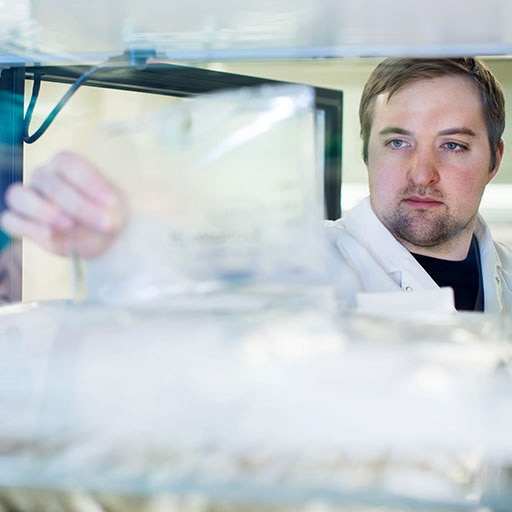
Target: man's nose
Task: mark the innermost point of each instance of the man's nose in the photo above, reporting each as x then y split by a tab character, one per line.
423	167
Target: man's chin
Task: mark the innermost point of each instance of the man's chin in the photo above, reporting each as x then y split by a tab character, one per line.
422	234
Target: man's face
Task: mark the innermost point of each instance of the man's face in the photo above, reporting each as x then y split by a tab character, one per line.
428	163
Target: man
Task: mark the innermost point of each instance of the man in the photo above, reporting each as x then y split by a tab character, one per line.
431	131
432	141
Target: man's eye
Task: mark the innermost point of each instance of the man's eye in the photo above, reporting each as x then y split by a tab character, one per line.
397	143
455	146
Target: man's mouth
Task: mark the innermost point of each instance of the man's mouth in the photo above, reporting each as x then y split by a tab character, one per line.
422	202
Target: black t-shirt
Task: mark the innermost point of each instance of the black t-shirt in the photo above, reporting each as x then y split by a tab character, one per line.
465	277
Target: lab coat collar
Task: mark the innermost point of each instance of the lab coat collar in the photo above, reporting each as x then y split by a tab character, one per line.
492	269
396	260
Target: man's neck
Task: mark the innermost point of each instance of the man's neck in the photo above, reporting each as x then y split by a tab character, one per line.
455	249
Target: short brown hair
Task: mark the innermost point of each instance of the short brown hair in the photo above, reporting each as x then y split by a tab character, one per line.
394	73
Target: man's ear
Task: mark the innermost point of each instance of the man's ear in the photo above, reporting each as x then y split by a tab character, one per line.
497	162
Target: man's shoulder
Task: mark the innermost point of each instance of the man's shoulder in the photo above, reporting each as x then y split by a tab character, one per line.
502	251
352	219
336	231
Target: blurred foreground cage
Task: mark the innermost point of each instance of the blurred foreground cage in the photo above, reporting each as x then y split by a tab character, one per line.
275	406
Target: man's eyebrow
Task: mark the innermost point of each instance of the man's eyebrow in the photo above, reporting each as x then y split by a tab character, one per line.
458	131
394	130
449	131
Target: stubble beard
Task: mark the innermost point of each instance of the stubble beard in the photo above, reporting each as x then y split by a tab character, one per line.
423	228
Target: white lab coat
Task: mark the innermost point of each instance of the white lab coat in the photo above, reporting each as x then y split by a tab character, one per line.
367	258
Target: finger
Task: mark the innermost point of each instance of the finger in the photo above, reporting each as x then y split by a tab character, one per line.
41	234
79	240
84	176
27	203
72	201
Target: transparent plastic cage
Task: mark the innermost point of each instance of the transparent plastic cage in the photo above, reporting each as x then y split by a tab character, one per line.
224	192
